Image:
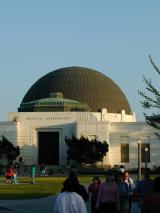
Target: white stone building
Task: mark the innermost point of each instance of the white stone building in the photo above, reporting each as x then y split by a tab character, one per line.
78	101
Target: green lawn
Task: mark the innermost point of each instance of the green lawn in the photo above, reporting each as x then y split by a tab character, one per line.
44	186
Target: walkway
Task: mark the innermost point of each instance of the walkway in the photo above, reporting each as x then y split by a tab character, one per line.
42	205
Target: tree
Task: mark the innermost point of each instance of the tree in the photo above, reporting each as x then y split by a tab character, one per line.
151	100
8	150
85	151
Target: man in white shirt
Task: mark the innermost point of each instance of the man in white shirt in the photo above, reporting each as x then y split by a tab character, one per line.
129	181
126	187
69	201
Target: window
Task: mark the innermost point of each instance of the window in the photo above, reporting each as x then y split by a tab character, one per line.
145	152
124	153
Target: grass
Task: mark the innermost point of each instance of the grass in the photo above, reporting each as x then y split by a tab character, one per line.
28	191
45	186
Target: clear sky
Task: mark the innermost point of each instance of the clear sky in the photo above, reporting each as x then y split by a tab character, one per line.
114	37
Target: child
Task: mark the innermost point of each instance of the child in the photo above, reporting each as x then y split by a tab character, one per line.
15	176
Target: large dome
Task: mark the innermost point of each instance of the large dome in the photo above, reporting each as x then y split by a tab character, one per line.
86	86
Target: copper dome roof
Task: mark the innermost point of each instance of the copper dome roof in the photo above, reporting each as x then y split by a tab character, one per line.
84	85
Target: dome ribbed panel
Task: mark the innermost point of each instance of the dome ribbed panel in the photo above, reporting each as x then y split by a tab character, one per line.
83	85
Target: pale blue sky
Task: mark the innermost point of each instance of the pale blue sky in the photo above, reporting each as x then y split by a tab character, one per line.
114	37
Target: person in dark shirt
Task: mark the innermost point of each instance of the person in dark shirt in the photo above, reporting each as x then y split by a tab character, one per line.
80	189
93	192
145	186
151	202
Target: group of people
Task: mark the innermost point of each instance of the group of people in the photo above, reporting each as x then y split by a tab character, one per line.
33	172
11	173
113	195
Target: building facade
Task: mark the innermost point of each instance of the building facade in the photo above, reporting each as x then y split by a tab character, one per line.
60	104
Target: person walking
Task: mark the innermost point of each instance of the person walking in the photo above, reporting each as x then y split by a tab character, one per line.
14	175
80	188
146	185
93	190
42	169
33	172
69	201
128	180
151	202
125	187
108	195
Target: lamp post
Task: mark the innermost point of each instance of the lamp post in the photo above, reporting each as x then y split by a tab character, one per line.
139	159
146	157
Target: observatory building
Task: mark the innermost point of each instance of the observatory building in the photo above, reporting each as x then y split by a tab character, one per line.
78	101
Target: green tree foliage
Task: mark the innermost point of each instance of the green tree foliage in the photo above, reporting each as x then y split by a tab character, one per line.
8	150
151	100
86	151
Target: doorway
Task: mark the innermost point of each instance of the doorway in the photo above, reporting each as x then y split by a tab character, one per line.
48	152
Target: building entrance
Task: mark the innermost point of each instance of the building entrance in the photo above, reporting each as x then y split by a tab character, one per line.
48	148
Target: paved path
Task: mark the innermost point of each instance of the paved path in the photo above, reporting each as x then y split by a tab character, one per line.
41	205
